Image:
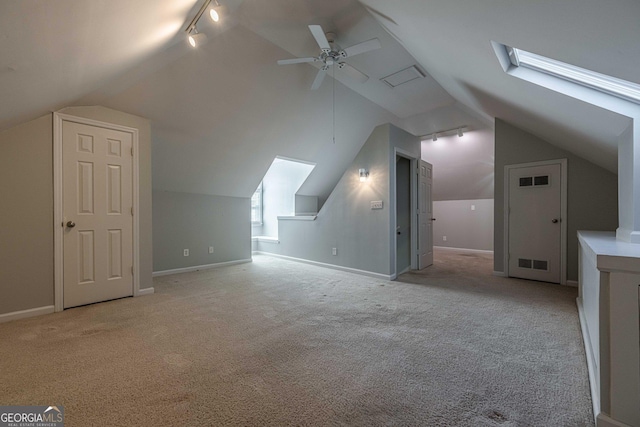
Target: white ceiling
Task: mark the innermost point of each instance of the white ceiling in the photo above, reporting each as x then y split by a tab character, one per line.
229	105
452	40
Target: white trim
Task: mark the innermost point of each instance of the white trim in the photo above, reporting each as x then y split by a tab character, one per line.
58	119
298	218
331	266
563	212
499	274
591	364
601	82
448	248
603	420
265	239
22	314
198	268
146	291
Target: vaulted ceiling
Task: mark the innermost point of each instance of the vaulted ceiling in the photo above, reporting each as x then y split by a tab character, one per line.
221	113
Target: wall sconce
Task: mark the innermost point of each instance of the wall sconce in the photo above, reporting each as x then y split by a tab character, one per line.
364	174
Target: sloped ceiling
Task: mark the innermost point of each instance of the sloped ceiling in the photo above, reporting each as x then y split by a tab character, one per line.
451	39
220	114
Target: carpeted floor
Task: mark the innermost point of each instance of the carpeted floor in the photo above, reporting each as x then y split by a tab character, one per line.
276	343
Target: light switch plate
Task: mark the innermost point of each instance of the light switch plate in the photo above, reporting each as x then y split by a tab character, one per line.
376	204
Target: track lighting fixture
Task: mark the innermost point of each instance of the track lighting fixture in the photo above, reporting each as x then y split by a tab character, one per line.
459	130
364	174
193	35
213	11
196	38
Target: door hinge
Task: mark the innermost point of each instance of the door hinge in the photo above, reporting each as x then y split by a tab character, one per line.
132	270
131	151
131	210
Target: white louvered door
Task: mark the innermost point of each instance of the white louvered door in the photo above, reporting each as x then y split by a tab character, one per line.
98	217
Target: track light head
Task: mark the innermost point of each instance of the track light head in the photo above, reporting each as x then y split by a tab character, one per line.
196	38
213	14
435	137
460	132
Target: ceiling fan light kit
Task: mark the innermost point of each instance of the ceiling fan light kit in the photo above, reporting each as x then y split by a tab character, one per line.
332	55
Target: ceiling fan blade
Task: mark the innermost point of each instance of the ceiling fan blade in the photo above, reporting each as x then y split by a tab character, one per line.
296	61
363	47
353	73
321	39
319	78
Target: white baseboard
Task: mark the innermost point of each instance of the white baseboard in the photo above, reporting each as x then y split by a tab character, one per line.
146	291
447	248
603	420
197	268
499	273
572	283
22	314
591	365
331	266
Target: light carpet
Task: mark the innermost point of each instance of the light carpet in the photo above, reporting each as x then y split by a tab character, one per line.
276	343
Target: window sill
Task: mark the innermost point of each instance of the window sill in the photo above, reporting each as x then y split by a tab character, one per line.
298	218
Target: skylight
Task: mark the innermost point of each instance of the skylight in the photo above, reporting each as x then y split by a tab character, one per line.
601	82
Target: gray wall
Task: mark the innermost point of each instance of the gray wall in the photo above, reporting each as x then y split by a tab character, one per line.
462	167
464	228
26	217
346	221
592	191
306	205
195	222
26	186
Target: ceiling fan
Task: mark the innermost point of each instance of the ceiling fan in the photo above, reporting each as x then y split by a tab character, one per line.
334	55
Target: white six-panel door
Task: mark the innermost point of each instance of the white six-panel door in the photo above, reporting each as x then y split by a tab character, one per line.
425	215
97	214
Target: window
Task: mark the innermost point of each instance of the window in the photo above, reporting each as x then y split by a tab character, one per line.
256	206
601	82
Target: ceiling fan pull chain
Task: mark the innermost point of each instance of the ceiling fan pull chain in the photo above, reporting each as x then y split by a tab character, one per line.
334	105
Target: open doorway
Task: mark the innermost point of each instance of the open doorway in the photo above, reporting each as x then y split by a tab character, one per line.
411	242
403	214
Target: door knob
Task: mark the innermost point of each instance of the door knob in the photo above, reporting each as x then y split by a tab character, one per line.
555	220
433	219
71	224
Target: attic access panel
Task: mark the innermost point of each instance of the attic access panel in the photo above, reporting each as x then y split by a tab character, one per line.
403	76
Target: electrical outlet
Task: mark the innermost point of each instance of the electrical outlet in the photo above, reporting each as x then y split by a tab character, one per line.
186	252
210	249
444	238
334	251
376	204
473	207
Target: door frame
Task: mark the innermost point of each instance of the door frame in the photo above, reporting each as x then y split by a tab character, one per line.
58	206
563	212
414	207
